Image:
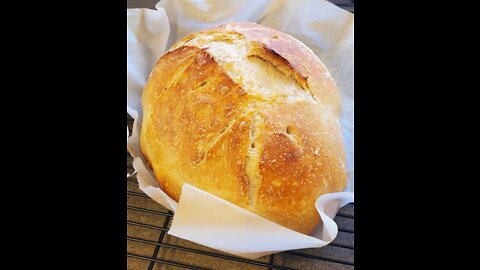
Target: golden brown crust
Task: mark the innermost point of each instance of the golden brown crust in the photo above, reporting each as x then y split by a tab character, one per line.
183	118
302	158
300	57
236	112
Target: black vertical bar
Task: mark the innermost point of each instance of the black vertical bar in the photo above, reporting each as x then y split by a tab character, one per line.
270	262
160	239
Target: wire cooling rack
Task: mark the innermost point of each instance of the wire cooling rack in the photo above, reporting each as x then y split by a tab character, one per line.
150	247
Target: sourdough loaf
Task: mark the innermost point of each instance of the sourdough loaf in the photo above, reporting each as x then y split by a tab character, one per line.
249	114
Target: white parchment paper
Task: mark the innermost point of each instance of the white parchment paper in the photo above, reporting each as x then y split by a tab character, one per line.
202	217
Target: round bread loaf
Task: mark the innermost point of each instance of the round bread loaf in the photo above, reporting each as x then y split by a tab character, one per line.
249	114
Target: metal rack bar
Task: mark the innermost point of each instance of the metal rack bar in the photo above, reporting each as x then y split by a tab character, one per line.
211	254
271	260
345	230
160	239
144	210
318	257
138	194
148	226
164	262
345	215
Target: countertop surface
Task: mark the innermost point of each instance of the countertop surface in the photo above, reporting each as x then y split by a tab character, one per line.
150	247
